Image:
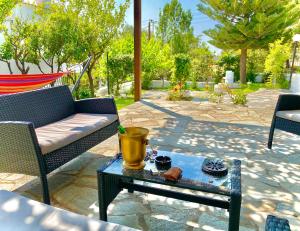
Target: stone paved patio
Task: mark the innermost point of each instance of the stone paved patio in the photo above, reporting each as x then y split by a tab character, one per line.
271	179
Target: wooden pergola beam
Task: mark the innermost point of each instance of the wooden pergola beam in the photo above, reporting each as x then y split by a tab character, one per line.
137	49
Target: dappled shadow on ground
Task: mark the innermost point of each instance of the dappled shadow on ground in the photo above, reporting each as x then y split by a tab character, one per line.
270	178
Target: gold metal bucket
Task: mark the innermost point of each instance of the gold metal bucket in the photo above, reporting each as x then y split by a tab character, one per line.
133	147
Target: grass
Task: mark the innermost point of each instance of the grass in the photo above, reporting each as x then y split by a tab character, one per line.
249	88
123	102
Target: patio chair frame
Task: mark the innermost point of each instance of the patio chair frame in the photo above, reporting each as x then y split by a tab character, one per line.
287	102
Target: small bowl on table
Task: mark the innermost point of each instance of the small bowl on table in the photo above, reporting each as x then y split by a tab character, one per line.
163	162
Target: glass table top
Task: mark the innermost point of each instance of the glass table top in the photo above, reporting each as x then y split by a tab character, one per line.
192	175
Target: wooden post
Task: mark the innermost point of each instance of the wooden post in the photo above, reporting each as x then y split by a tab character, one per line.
137	49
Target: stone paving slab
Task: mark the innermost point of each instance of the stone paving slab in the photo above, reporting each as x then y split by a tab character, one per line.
270	178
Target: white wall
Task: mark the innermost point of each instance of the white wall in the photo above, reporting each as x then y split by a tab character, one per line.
33	68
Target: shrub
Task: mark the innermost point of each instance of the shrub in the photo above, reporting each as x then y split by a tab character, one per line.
275	62
147	79
178	93
239	98
120	69
229	61
182	70
84	93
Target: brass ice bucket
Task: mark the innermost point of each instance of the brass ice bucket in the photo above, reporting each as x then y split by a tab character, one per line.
133	147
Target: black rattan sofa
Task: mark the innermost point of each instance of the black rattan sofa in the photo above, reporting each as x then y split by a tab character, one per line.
44	129
286	116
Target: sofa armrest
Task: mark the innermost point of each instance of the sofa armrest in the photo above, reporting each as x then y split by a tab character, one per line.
19	148
97	106
288	102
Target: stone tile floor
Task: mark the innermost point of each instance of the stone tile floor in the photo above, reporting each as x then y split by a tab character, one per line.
270	179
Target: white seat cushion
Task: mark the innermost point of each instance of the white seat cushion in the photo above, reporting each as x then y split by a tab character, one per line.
23	214
61	133
289	115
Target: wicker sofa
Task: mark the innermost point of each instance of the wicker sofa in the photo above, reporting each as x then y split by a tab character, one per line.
44	129
286	116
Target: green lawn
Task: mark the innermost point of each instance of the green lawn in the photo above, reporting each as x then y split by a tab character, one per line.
123	102
249	88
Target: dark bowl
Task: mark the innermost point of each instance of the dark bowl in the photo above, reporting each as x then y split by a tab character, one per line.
163	162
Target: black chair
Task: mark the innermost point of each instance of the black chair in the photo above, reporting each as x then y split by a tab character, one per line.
286	116
277	224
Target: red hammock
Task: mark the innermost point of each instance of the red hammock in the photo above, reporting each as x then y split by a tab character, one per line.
10	84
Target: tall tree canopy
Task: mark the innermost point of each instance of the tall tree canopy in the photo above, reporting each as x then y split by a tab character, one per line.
17	44
174	27
55	39
5	8
100	21
248	24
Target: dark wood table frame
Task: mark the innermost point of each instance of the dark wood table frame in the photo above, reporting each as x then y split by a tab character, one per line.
110	185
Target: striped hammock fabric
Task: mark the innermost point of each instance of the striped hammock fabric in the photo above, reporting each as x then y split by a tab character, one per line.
10	84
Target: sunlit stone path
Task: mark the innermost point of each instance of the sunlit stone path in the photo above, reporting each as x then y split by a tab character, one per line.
270	179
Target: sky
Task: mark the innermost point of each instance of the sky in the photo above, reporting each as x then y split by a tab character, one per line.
151	8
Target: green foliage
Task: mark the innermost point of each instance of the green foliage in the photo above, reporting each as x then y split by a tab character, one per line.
202	63
229	61
55	39
5	8
255	63
174	27
182	69
98	23
84	93
157	58
156	62
123	102
6	54
120	70
239	98
18	43
123	44
249	24
176	96
279	52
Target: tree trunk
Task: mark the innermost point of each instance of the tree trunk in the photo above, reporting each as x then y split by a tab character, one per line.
9	67
91	82
243	62
40	68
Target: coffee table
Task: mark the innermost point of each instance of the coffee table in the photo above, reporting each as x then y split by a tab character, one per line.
113	178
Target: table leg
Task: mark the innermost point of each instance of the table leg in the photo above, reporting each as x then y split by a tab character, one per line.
108	189
131	190
234	211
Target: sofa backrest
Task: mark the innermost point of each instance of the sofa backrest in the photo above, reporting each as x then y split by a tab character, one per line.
40	107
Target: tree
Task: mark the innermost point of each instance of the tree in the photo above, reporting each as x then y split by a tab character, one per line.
157	60
229	61
5	8
17	42
202	63
182	70
99	22
275	61
174	27
120	68
256	63
248	24
56	38
6	54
